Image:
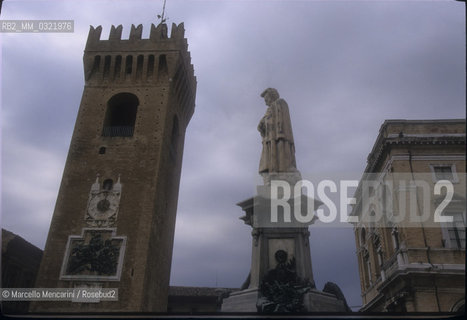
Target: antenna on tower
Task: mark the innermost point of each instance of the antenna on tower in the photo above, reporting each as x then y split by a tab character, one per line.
161	16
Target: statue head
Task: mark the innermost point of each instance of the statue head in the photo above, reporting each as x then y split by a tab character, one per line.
281	256
270	95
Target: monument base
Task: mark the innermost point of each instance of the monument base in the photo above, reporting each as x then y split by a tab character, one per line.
241	301
313	301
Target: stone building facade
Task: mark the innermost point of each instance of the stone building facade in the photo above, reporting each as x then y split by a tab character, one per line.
114	219
20	263
410	264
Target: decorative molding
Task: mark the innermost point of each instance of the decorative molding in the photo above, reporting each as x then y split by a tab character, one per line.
383	142
426	135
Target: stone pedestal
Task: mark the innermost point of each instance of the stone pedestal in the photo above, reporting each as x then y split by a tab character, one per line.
314	301
241	301
290	236
280	232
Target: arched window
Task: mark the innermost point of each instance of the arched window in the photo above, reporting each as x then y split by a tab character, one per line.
162	71
128	65
378	253
95	65
150	66
107	66
139	66
118	67
362	236
459	306
120	117
107	184
366	269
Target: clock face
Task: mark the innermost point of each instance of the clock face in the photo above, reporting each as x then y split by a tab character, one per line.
103	205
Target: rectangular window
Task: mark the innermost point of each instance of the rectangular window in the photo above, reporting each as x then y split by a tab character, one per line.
454	232
368	270
444	172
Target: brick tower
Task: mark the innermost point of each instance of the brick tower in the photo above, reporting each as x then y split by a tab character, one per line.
114	219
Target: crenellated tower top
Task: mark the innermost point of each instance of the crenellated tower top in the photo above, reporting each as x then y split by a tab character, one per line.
158	61
157	34
159	44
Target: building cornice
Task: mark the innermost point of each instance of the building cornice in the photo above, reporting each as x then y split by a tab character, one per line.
442	139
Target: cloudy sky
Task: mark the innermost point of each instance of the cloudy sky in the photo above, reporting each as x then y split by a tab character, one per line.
342	66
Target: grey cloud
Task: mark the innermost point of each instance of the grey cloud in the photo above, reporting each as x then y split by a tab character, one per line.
343	67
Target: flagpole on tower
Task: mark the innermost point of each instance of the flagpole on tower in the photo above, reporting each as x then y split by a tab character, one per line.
161	16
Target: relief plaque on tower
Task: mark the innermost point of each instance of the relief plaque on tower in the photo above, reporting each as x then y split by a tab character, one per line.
97	254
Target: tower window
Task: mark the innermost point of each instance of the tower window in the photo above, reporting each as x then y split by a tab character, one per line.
96	64
106	66
102	150
129	65
108	184
163	69
118	67
139	66
120	117
150	66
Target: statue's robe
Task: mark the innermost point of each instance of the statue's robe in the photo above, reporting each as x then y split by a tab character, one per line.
278	153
